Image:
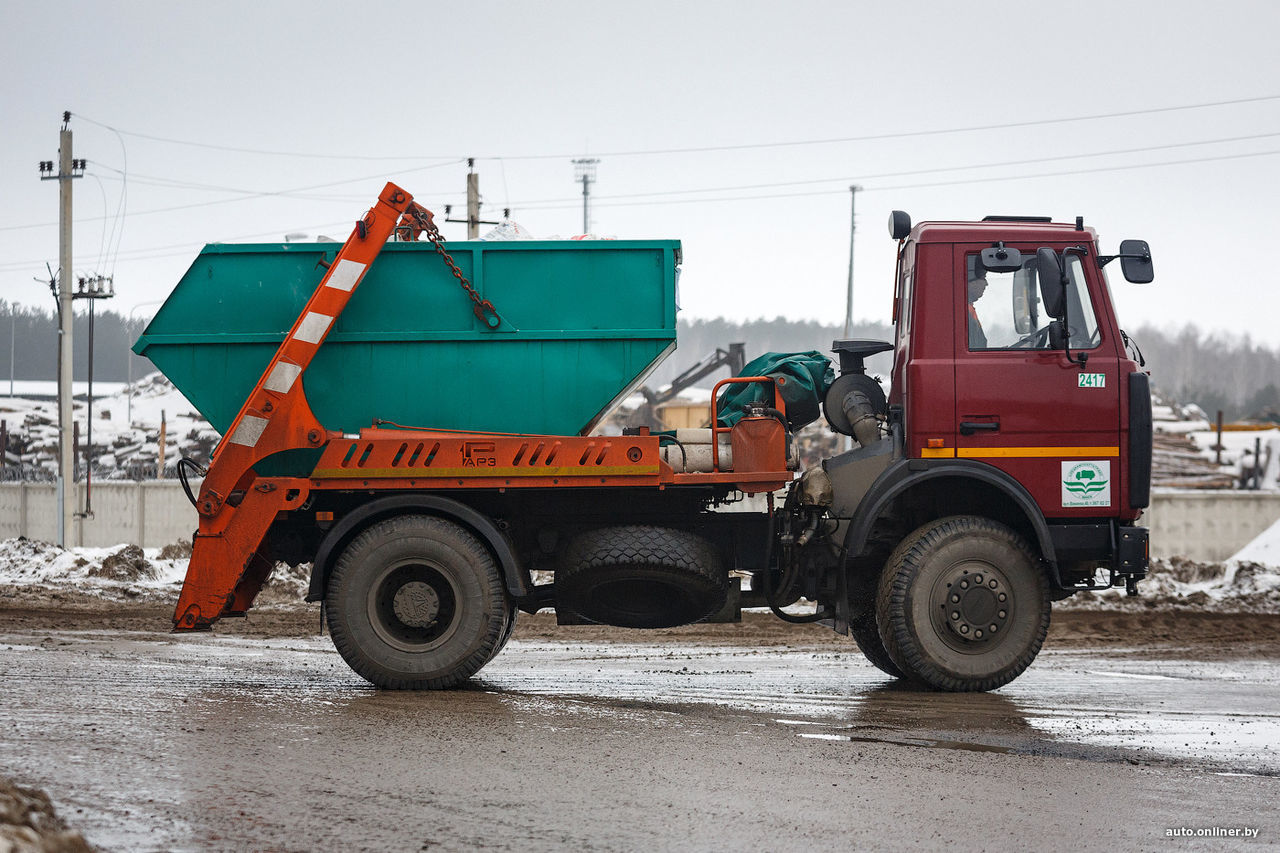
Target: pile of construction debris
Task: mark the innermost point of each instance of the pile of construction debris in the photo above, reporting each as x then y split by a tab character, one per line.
1192	453
127	429
1177	463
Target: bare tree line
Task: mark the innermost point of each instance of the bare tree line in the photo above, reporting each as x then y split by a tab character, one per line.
1187	365
34	334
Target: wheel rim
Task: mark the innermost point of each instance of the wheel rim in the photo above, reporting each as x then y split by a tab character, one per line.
413	606
972	606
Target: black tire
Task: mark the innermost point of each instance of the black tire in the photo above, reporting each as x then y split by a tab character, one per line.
416	603
863	594
506	635
641	577
945	587
867	635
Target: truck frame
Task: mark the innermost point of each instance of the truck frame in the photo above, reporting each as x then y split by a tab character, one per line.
990	481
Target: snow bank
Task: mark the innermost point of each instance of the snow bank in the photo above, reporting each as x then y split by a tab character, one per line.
1264	549
123	572
1249	582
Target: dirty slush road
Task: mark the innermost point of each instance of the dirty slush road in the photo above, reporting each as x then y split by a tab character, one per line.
717	737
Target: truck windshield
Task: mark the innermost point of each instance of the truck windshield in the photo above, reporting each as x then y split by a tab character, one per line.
1004	310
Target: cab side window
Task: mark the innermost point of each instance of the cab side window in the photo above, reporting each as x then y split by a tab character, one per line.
1080	317
1003	310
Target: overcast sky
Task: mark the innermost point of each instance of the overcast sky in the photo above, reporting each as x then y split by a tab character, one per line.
370	92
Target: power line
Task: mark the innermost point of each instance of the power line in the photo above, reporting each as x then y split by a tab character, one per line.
152	252
845	179
12	265
710	148
902	134
177	183
185	247
985	179
561	203
244	196
240	150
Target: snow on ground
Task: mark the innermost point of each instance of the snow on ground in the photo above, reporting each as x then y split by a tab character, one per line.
1182	584
122	572
1249	582
1265	549
97	570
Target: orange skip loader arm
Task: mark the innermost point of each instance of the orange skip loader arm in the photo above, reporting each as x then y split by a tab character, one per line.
226	568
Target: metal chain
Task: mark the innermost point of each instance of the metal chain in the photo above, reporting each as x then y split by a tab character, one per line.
482	308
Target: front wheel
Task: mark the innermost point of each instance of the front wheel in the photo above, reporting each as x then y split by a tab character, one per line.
964	606
416	602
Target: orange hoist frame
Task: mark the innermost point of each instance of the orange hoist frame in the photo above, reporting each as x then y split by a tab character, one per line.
228	566
227	569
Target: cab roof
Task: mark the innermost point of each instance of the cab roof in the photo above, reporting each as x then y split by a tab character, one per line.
1008	231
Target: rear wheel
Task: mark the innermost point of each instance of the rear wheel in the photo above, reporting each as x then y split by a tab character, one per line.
416	602
963	605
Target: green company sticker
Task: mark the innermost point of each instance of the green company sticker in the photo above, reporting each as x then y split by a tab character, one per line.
1086	483
1092	380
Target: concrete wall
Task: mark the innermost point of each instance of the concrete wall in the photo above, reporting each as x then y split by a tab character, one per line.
1209	526
152	514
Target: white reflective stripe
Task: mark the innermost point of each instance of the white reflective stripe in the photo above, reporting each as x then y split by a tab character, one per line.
345	274
313	327
249	431
282	377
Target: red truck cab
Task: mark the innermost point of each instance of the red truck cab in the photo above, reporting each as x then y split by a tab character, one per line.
980	380
984	373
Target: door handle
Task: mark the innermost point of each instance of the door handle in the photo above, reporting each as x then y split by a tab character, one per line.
970	427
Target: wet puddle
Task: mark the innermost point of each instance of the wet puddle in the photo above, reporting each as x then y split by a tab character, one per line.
1212	715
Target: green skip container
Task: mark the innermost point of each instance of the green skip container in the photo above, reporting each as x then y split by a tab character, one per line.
583	322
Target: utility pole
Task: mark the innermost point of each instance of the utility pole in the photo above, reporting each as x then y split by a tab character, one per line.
68	169
92	288
13	338
584	172
473	219
473	200
848	305
160	449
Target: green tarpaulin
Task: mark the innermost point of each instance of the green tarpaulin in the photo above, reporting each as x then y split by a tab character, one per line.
807	376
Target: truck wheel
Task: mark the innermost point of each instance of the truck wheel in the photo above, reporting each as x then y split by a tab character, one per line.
963	605
641	577
863	591
506	635
416	602
862	622
867	635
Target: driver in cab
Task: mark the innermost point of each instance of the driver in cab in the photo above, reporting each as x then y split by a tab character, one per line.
977	287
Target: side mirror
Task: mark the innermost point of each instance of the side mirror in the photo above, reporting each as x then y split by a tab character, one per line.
899	224
1135	261
1000	259
1057	335
1053	282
